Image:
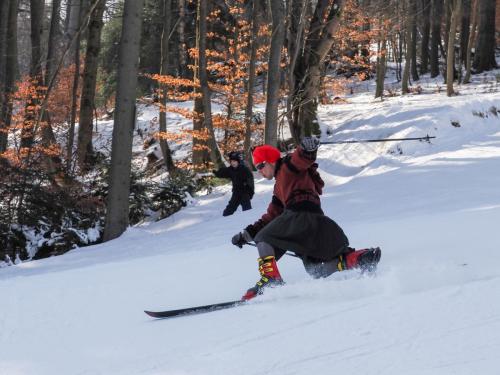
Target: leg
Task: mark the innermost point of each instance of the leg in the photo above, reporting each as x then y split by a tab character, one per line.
245	202
268	269
364	259
232	205
318	269
265	249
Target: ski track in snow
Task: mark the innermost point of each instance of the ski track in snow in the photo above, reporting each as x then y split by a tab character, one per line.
433	306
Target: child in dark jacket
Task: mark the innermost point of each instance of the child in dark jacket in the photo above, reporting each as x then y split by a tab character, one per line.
243	185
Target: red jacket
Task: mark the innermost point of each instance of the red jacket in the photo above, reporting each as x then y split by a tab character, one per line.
297	187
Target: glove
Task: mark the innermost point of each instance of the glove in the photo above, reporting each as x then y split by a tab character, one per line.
251	231
241	239
310	144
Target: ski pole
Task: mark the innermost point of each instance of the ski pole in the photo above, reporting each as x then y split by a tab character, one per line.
426	138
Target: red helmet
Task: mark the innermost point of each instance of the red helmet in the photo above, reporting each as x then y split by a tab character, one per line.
266	153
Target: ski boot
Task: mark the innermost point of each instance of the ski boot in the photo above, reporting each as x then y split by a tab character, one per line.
365	259
270	277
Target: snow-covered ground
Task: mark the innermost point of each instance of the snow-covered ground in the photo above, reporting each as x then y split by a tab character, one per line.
432	308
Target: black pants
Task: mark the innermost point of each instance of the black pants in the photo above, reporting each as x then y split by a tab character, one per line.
236	199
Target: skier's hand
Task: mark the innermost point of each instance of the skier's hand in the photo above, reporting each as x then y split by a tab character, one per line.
310	144
241	239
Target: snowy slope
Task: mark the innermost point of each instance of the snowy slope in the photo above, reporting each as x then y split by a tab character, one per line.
433	307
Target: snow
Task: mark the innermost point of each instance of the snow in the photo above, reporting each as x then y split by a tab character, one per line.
432	308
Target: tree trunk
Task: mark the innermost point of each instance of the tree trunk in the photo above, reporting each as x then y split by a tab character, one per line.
117	216
74	13
414	13
448	4
74	97
450	55
213	149
87	101
437	14
471	41
381	62
52	163
274	72
11	73
36	21
165	38
53	40
296	16
53	44
4	17
251	83
318	43
199	154
484	57
465	30
406	71
182	39
426	26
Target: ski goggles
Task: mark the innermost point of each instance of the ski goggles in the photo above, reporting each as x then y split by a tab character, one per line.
260	165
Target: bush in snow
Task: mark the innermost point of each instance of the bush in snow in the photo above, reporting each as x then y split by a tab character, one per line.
40	218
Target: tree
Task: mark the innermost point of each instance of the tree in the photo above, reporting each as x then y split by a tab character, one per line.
165	38
471	41
117	218
274	72
381	60
48	137
413	42
74	89
30	124
203	121
484	57
87	106
407	33
181	30
307	72
450	55
436	18
4	18
11	73
426	26
251	81
465	30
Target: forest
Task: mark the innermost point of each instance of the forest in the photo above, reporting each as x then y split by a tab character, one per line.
244	73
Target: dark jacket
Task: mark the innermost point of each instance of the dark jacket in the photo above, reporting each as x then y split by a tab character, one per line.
241	177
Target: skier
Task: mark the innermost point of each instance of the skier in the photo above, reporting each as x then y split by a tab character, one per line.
295	221
243	185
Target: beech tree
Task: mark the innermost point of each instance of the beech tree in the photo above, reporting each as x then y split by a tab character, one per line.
117	218
165	39
436	18
274	71
87	101
203	106
318	40
484	57
450	56
4	20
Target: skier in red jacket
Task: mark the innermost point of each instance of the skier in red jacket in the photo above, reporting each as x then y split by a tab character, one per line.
294	220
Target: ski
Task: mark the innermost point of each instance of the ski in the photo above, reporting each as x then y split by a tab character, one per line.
194	310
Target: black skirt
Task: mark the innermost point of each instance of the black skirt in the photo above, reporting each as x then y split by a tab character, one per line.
305	233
